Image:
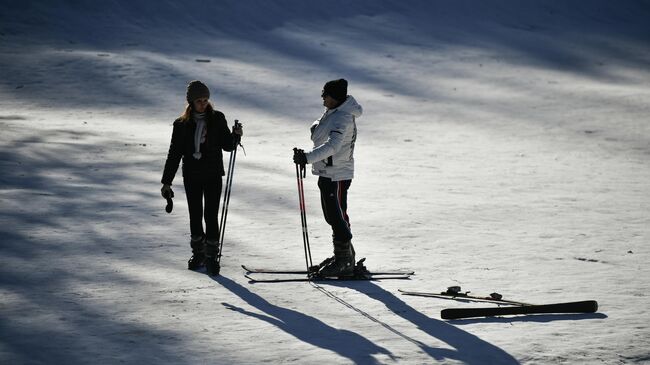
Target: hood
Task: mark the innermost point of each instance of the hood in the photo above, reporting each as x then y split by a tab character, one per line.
351	106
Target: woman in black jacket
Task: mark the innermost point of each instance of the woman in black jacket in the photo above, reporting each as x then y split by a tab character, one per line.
198	137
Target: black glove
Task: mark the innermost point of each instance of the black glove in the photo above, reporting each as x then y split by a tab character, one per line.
299	157
168	194
238	129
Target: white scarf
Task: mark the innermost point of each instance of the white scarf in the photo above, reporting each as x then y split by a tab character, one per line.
199	134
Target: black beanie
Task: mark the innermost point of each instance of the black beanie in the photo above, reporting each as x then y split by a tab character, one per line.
195	90
337	89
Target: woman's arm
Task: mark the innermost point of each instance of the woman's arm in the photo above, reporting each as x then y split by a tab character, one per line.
227	140
174	155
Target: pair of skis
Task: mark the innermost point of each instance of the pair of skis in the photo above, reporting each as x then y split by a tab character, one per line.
511	306
259	275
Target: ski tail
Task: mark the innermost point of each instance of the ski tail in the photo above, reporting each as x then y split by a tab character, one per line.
587	306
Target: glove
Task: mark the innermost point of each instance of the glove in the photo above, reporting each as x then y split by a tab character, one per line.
166	191
238	129
299	157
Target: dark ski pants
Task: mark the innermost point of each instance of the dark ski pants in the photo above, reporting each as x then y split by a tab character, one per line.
199	188
334	201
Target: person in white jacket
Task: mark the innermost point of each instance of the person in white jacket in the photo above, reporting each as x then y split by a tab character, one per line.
332	159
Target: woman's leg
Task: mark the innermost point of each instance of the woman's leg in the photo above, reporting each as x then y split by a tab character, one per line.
212	193
194	194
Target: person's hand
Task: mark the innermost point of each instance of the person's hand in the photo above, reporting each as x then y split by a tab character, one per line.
238	129
166	191
299	157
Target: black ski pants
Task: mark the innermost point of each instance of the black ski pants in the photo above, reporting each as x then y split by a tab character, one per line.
200	188
334	201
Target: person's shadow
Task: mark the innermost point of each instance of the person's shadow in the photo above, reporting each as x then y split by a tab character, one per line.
306	328
467	347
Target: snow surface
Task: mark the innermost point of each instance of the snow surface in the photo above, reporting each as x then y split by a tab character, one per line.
505	146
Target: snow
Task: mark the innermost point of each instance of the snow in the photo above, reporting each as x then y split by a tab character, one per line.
504	146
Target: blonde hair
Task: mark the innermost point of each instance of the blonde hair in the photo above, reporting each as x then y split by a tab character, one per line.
187	114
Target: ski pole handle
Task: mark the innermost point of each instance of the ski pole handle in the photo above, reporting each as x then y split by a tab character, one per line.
237	136
303	169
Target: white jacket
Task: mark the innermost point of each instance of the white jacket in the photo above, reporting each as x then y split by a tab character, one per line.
334	135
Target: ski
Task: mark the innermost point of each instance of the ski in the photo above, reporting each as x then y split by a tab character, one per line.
359	270
375	277
587	306
271	271
454	293
303	272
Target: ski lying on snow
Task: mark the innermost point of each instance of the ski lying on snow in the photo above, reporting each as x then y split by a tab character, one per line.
460	296
303	272
373	277
587	306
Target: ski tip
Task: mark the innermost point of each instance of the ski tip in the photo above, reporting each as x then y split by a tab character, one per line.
251	280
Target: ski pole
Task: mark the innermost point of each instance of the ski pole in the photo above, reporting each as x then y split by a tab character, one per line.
226	192
300	170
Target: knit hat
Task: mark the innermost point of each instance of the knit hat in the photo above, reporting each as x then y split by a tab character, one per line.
337	89
196	90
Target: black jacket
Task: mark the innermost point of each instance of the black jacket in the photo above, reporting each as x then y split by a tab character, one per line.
218	138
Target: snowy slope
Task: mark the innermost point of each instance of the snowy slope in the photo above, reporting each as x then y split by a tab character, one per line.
504	146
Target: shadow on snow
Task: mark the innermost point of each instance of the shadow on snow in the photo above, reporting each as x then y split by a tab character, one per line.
306	328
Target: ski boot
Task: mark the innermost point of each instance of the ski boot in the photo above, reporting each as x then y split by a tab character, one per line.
313	270
212	257
343	264
198	256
